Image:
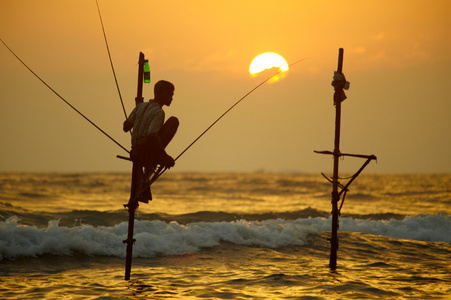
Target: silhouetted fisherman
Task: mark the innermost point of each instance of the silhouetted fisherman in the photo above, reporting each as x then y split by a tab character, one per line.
151	134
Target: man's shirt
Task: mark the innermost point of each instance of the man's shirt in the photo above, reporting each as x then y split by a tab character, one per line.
147	119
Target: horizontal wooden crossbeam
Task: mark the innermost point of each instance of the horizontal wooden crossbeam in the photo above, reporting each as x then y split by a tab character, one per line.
347	154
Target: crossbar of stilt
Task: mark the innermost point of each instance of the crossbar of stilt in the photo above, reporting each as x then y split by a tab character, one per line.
346	154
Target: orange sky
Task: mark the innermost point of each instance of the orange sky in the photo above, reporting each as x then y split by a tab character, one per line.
397	58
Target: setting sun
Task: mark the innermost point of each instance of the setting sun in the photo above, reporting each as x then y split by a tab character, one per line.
267	60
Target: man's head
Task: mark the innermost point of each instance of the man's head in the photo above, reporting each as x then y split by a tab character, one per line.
163	91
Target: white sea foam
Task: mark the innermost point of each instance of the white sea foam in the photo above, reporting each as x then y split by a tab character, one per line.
156	237
431	228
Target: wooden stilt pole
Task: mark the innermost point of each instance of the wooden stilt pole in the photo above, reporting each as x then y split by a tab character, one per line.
339	96
132	205
336	153
136	177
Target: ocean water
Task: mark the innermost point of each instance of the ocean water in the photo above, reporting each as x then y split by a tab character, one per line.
224	236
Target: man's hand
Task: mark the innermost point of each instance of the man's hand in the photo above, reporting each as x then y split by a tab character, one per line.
127	126
167	162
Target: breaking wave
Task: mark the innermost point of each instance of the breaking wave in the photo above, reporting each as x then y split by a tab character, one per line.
172	238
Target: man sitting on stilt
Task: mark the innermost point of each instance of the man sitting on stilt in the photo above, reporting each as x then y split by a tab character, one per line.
151	134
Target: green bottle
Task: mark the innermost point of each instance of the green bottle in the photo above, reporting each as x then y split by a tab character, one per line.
146	71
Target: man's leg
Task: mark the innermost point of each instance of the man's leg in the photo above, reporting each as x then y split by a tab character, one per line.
165	134
147	154
168	131
147	159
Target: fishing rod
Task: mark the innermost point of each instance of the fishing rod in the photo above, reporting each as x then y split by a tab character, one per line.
111	61
236	103
160	171
65	101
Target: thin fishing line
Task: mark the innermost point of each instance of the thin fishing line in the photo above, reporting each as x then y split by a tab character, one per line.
111	61
92	123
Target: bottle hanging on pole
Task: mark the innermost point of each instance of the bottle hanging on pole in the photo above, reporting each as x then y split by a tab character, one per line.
146	71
